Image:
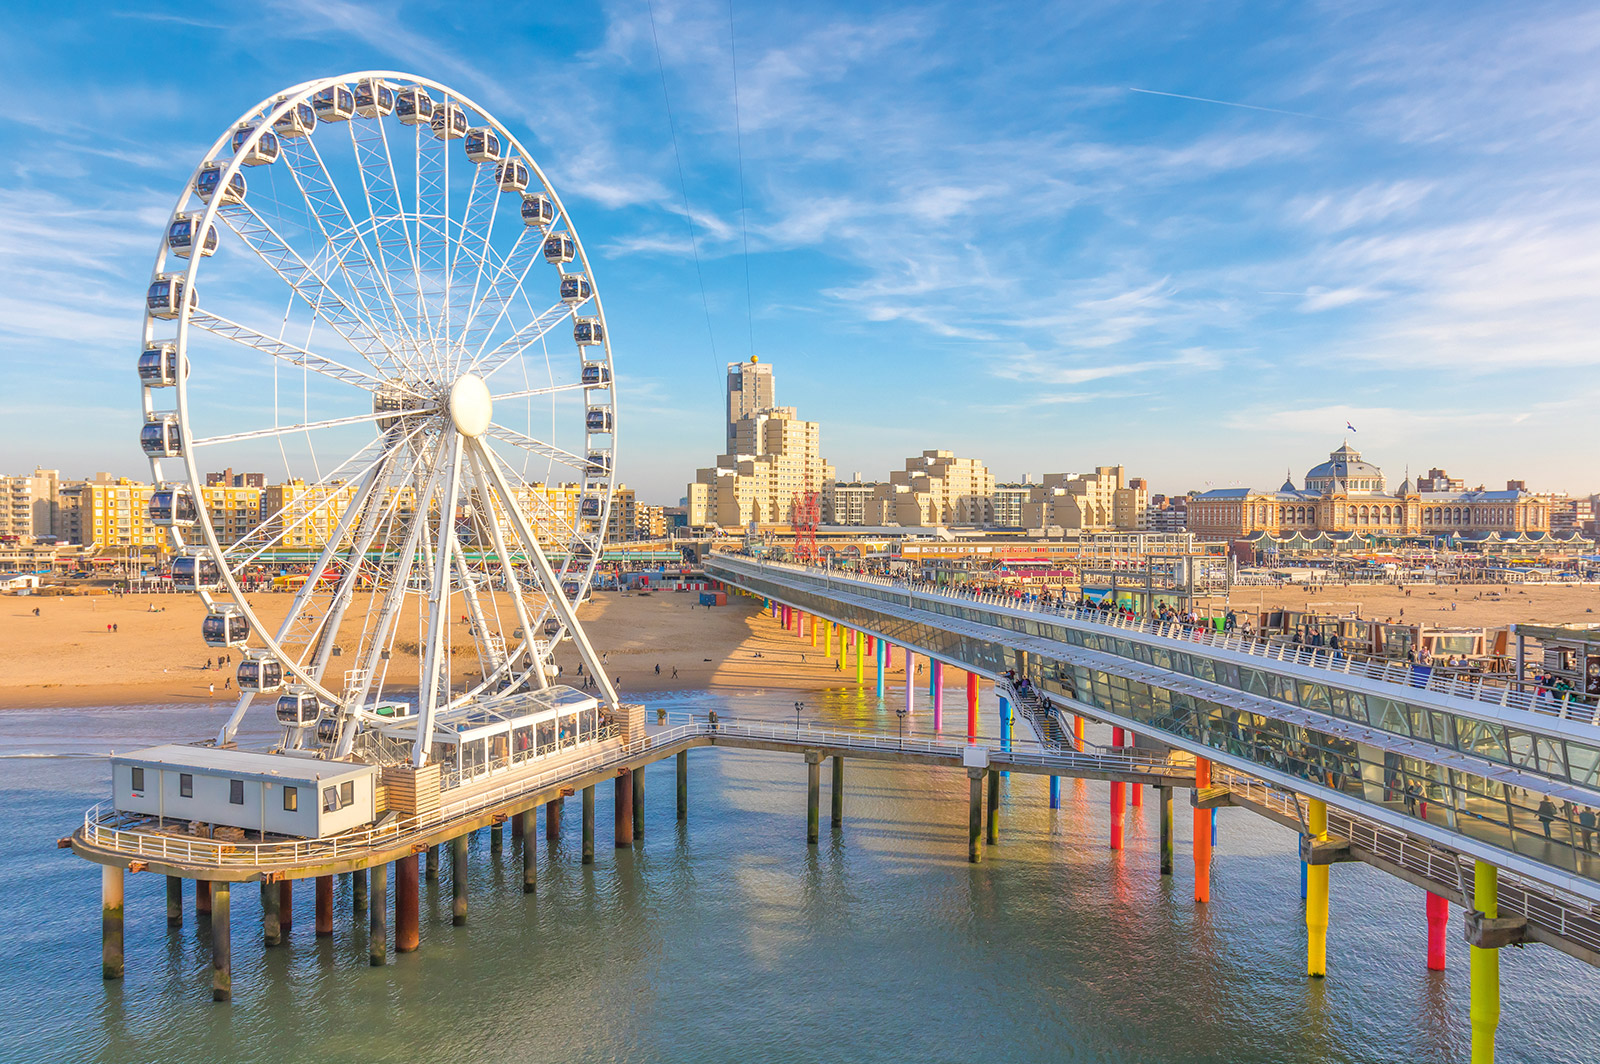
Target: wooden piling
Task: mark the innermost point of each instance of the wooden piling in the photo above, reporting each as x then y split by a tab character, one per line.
683	785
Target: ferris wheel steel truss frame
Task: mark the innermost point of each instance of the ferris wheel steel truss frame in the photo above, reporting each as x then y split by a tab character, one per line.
425	352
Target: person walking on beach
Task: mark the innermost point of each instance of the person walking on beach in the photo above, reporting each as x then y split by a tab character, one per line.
674	672
211	688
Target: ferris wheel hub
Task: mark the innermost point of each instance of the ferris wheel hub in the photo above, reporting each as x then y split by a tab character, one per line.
471	407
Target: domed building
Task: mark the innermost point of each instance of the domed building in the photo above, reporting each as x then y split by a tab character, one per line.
1346	501
1345	468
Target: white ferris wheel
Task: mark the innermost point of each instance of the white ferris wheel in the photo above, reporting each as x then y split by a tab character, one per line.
369	286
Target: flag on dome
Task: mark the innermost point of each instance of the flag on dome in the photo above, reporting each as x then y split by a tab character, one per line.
1349	426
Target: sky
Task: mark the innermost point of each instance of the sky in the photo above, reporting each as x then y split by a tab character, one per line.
1198	240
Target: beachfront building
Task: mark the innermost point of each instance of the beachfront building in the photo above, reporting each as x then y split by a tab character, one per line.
1107	499
935	489
1348	495
28	505
773	457
845	501
116	516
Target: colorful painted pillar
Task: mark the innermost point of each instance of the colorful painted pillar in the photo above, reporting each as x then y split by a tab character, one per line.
1202	835
1438	909
827	636
972	707
911	687
1005	729
858	642
813	627
937	683
843	661
1485	1000
882	647
1317	896
1055	792
1077	733
1118	799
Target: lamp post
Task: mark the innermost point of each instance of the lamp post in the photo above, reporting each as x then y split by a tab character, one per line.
798	706
901	713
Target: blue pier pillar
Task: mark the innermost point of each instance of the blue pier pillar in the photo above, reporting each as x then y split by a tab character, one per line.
1302	881
1055	792
1005	729
883	649
1213	825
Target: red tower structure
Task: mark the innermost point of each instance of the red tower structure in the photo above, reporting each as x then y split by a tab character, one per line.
807	515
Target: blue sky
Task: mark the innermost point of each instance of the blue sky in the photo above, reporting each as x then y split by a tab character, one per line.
1196	239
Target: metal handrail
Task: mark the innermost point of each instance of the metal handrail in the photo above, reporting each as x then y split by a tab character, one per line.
108	829
1573	707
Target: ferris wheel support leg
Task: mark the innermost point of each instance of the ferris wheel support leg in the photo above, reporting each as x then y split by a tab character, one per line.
438	600
506	568
231	725
547	576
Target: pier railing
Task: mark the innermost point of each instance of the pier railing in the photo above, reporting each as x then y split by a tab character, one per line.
133	836
1573	707
1567	915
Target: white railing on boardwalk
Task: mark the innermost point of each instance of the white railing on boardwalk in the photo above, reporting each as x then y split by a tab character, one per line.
105	828
1573	707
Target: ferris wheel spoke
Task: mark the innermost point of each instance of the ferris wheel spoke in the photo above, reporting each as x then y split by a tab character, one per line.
555	524
489	311
307	282
554	389
564	609
390	233
538	447
438	603
344	242
286	352
393	600
472	254
274	529
432	240
287	430
493	519
512	347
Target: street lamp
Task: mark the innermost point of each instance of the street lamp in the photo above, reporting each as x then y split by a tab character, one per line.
901	713
798	706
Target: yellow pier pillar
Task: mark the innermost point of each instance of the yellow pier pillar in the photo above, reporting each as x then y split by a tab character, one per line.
856	640
1485	1007
1317	896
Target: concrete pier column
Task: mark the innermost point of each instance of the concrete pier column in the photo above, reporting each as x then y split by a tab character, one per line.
972	707
836	791
883	654
683	785
937	668
588	825
993	832
324	894
517	828
638	803
552	819
1485	970
1118	813
1317	896
1202	835
1438	911
975	814
221	942
813	795
432	870
174	901
271	922
407	905
1164	800
358	891
527	821
1055	792
458	881
111	921
202	898
497	838
378	938
623	809
286	905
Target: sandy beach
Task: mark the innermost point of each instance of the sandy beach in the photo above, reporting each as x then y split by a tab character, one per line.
67	656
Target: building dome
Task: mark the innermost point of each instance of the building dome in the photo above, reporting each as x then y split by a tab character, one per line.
1345	471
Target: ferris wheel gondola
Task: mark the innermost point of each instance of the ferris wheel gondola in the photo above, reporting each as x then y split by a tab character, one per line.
417	381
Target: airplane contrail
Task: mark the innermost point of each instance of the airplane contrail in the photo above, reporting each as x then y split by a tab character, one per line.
1232	103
